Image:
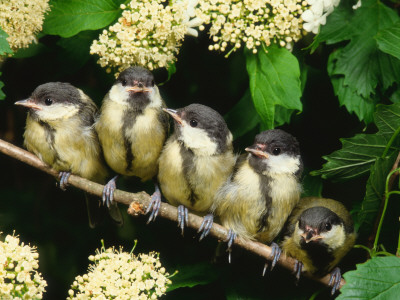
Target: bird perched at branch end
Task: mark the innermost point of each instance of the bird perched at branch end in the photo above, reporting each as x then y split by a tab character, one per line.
319	234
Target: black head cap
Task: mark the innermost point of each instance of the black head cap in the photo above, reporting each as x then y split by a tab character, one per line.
136	76
319	218
206	118
276	142
56	92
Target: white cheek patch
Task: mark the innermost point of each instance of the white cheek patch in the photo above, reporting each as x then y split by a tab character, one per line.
197	140
297	233
155	97
282	164
57	111
335	237
119	94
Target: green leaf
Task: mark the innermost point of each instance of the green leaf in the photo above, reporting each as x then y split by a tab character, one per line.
361	151
338	26
274	81
242	117
363	107
389	40
374	192
312	186
2	95
190	275
67	18
378	278
4	46
361	62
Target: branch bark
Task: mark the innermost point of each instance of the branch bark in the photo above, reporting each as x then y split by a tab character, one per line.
138	203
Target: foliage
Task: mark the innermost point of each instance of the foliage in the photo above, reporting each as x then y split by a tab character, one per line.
338	92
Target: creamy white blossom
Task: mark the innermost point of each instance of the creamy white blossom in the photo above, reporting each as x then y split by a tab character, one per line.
19	278
250	23
316	14
357	5
22	20
149	34
121	275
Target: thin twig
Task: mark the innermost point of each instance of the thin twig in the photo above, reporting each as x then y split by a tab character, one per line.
138	203
371	238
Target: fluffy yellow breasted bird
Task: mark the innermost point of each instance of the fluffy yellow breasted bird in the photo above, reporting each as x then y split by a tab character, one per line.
59	130
319	234
264	187
196	160
132	129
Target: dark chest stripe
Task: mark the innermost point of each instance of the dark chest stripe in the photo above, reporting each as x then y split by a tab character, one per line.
319	255
128	121
188	169
264	190
50	139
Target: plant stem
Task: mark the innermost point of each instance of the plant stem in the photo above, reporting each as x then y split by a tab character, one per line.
389	144
387	194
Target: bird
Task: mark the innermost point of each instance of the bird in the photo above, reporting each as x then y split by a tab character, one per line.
196	160
59	130
261	192
132	130
319	233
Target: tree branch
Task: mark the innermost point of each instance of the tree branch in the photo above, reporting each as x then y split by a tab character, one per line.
138	203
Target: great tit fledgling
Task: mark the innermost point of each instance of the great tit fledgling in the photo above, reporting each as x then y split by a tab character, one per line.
196	160
59	130
264	187
132	129
319	234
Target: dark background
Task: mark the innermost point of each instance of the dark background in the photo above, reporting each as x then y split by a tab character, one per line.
56	221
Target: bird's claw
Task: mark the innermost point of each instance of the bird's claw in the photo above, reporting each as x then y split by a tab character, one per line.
206	226
154	205
108	191
230	239
64	176
335	280
275	254
183	217
298	268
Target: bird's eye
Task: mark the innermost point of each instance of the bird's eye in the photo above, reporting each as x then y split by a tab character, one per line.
124	82
328	226
48	101
276	151
193	123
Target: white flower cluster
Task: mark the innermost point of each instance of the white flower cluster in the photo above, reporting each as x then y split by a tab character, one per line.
317	13
252	22
149	34
19	278
22	20
121	275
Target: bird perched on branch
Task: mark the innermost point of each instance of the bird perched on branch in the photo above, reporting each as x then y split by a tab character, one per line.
59	130
264	187
319	234
132	129
196	159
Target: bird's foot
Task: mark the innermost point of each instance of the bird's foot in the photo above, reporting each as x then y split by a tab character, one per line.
334	281
230	239
206	226
154	205
298	268
183	217
108	191
275	254
64	176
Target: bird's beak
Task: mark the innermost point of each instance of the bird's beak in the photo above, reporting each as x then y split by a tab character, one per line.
174	114
138	89
257	152
28	103
310	236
